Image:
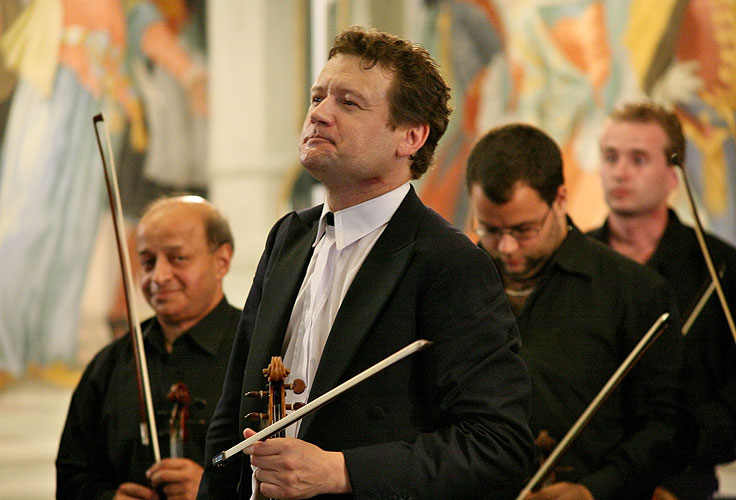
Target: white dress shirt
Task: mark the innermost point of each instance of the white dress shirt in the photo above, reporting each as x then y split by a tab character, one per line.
339	252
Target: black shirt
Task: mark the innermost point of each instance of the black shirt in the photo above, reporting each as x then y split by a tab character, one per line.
589	310
710	347
100	446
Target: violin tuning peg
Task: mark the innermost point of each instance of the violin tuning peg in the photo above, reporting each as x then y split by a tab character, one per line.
257	394
298	386
256	417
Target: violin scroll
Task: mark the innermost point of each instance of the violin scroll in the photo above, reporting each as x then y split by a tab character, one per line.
276	374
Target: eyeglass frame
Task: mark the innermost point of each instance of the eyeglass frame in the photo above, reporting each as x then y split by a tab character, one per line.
497	234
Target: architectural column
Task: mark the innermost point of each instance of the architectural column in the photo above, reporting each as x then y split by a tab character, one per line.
257	81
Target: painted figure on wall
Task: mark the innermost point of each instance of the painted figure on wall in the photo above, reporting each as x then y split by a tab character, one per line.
563	66
71	58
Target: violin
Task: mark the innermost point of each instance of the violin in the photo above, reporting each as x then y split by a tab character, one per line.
318	402
276	374
178	434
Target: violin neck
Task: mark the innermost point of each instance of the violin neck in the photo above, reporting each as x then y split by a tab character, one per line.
278	406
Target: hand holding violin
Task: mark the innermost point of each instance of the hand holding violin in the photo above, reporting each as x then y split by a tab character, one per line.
289	468
134	491
562	491
177	478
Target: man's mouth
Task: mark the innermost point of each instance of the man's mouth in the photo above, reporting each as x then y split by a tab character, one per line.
317	138
619	192
162	293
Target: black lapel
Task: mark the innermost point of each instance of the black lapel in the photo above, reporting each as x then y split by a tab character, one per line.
282	281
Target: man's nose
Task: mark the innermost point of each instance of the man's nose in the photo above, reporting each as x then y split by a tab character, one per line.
161	270
323	112
507	244
619	168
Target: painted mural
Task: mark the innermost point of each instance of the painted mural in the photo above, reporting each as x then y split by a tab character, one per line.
139	63
564	65
559	64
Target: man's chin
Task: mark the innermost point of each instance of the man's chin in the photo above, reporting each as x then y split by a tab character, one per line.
515	271
621	208
518	276
164	307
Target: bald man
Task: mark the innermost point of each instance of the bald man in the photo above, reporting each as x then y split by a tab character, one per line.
184	246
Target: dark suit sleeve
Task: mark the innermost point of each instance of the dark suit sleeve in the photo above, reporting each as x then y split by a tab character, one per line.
474	382
221	482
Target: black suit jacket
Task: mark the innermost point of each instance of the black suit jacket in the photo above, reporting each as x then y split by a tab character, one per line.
448	422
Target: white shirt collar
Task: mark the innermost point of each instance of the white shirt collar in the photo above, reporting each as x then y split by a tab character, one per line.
353	223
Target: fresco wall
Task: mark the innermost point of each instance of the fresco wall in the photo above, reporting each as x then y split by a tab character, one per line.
564	65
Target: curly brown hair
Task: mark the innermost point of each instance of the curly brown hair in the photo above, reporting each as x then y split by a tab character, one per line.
418	94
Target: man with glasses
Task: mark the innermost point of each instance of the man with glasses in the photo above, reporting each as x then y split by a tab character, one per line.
581	309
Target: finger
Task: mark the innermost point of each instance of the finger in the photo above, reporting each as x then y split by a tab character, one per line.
167	476
134	490
267	488
175	470
174	489
174	463
168	463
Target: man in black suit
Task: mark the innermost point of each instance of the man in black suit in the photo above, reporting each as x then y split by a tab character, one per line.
343	285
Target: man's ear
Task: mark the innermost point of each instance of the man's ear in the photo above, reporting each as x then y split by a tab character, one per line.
413	139
562	197
672	177
223	256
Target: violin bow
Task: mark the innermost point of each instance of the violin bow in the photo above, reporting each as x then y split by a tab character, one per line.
641	348
710	287
322	400
675	160
145	402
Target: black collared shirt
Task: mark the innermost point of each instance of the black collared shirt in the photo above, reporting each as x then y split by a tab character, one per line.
710	348
589	310
100	447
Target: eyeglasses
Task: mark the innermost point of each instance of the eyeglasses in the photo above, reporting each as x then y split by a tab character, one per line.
522	232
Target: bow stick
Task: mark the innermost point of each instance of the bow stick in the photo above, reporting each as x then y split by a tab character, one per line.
695	310
675	160
148	418
325	398
644	344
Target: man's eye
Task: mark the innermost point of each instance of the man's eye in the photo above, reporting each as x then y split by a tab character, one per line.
523	230
316	100
640	159
147	264
348	102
